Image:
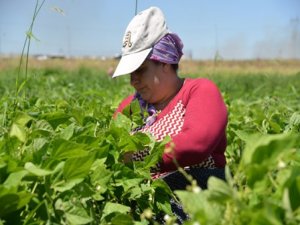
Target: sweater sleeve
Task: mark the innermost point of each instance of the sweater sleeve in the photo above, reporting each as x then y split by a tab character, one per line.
203	129
122	105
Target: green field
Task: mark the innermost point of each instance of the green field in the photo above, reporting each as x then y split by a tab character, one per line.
60	150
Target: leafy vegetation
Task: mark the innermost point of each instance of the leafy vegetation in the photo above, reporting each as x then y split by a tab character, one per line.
61	153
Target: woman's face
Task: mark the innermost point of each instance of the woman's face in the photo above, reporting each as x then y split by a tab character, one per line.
148	81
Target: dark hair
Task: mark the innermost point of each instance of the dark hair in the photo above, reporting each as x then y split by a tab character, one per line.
174	66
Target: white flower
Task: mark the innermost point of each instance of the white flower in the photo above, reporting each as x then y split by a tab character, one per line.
98	187
196	189
167	217
281	164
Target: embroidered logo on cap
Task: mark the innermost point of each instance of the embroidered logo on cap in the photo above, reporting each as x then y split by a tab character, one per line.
127	41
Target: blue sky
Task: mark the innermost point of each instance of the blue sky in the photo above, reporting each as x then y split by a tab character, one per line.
236	29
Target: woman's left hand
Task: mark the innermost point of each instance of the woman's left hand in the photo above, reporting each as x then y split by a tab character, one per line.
127	157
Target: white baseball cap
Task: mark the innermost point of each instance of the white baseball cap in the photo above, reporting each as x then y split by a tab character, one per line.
143	31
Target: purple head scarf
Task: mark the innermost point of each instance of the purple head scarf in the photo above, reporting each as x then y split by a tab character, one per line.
168	49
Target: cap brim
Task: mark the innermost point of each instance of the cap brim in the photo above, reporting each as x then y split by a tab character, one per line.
131	62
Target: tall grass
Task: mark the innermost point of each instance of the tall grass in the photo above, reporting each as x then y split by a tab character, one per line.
25	52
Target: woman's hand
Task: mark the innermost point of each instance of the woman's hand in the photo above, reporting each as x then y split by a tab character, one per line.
127	157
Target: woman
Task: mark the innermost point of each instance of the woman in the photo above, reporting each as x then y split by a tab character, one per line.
191	111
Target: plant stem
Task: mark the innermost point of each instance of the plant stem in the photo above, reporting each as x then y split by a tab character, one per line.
19	87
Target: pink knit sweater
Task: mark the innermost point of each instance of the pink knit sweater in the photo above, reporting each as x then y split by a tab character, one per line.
196	120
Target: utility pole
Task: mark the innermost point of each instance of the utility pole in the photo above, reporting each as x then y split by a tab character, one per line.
136	6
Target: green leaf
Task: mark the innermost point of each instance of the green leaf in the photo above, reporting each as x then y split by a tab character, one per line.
242	135
256	173
275	126
294	193
66	185
161	184
2	163
39	143
12	201
30	167
218	190
14	179
100	176
131	183
111	207
199	208
162	195
63	149
154	157
18	131
78	167
192	202
269	215
78	114
135	116
294	122
44	126
156	152
122	219
133	142
77	220
56	118
22	85
68	132
266	147
23	119
122	121
122	172
133	113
